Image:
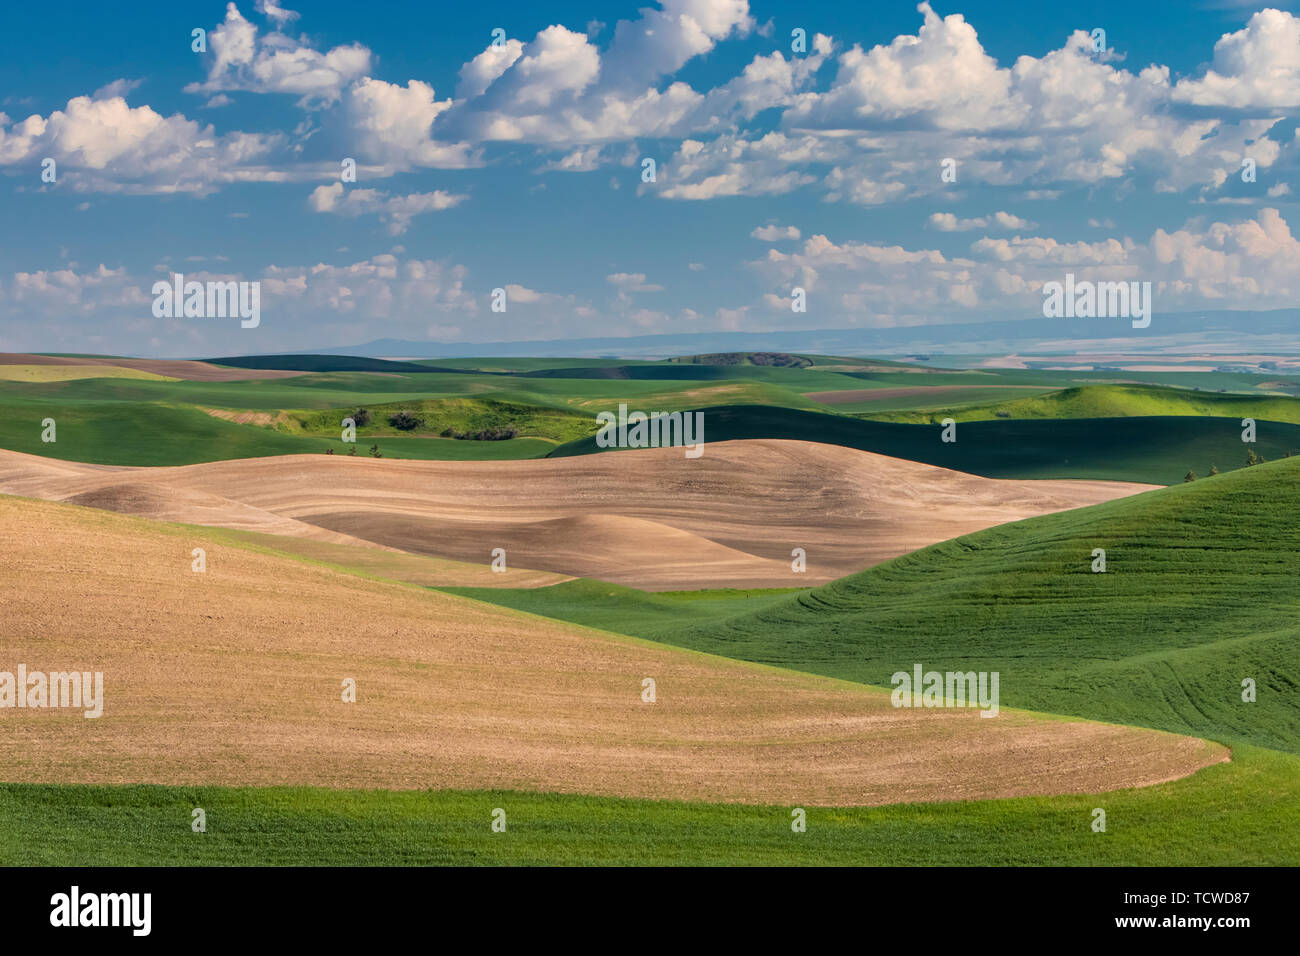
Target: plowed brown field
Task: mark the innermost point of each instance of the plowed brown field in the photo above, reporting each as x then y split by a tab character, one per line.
233	676
650	518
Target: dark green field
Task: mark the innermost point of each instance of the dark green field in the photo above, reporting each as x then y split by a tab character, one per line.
1152	450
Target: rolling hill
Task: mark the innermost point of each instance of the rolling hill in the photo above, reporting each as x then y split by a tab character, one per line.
1157	450
649	518
1200	592
1116	401
242	686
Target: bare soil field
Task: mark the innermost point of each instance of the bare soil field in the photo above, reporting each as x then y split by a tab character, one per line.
234	676
169	368
648	518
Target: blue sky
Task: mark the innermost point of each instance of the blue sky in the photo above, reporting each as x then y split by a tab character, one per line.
520	167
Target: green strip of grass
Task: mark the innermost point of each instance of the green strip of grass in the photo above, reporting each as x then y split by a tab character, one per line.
1243	813
133	434
1109	401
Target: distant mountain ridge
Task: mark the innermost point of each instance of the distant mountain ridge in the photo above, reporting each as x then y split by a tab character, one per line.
1225	331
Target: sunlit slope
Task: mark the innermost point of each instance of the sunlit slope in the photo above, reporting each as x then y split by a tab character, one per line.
236	676
652	518
137	433
1113	401
1201	592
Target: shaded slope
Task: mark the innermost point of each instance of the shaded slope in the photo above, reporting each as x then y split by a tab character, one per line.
330	363
1155	450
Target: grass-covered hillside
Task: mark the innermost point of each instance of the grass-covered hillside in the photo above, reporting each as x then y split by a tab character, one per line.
1201	591
1152	450
1115	401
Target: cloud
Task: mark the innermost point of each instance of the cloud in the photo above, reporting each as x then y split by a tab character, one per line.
947	222
392	125
861	283
486	68
1258	67
558	89
395	211
733	166
242	59
774	233
581	160
104	145
116	89
662	41
273	11
891	113
628	282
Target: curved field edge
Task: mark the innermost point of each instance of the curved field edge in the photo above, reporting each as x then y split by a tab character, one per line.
1201	587
249	687
1152	450
1230	814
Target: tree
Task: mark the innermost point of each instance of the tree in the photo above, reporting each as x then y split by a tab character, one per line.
374	451
1214	469
361	417
1190	476
405	421
1251	457
329	451
353	451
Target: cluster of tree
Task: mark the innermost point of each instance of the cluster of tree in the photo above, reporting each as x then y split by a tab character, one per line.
1251	459
404	421
495	433
773	359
